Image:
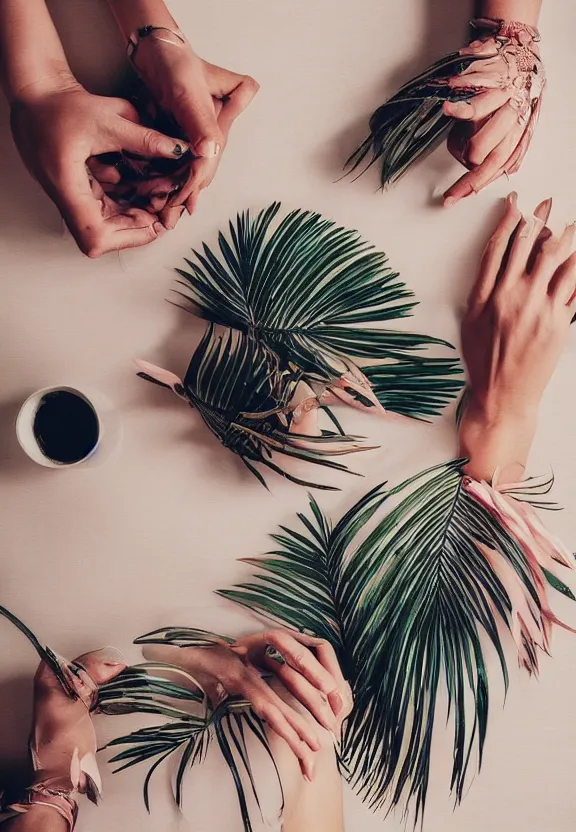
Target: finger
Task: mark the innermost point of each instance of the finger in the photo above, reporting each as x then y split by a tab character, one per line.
192	202
309	696
194	111
552	255
528	233
490	135
235	102
479	79
105	174
340	700
492	167
563	284
96	223
277	721
477	108
146	142
170	216
494	255
300	658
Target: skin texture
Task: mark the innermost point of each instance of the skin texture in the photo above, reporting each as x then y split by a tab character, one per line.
70	125
310	673
62	729
204	99
489	129
515	329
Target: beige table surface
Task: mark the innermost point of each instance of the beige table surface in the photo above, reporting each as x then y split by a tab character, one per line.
99	555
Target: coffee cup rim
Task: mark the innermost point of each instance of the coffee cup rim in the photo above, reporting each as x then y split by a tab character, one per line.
25	425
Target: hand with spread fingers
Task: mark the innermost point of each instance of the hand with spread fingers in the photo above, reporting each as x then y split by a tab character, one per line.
306	667
495	123
513	334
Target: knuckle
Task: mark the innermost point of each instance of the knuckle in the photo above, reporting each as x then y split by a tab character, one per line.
475	154
150	141
251	84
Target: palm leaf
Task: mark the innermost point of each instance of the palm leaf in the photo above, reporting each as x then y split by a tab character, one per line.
308	290
59	666
419	388
244	397
407	609
187	733
411	124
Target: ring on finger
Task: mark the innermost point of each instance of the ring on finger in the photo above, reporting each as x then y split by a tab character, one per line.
274	654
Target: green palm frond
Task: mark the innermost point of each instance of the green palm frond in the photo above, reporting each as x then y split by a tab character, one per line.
45	654
244	397
420	388
406	609
190	730
305	288
411	124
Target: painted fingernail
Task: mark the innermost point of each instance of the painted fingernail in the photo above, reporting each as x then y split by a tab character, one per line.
178	150
512	198
449	201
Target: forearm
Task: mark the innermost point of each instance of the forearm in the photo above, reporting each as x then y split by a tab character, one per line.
37	819
524	11
496	440
132	15
31	55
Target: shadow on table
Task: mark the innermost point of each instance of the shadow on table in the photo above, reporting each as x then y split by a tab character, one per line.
13	461
15	721
444	30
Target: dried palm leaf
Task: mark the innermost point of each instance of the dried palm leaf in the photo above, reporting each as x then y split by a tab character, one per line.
247	400
409	610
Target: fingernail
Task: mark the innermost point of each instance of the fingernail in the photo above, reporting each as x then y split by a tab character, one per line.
449	201
512	198
178	150
338	703
309	779
159	229
542	211
207	149
461	109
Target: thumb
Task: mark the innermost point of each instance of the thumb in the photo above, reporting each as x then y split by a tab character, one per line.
148	142
196	115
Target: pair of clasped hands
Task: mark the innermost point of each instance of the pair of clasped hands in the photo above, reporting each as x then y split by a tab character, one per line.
59	127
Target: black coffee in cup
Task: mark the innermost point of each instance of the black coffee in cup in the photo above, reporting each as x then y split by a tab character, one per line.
65	427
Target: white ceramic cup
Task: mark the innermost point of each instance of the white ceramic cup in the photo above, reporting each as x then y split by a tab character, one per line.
108	423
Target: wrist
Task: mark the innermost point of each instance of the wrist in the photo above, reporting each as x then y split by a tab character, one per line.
57	79
494	437
520	11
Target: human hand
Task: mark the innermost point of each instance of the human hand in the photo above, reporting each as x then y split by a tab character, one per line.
62	727
513	334
495	127
307	667
223	671
57	130
204	99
